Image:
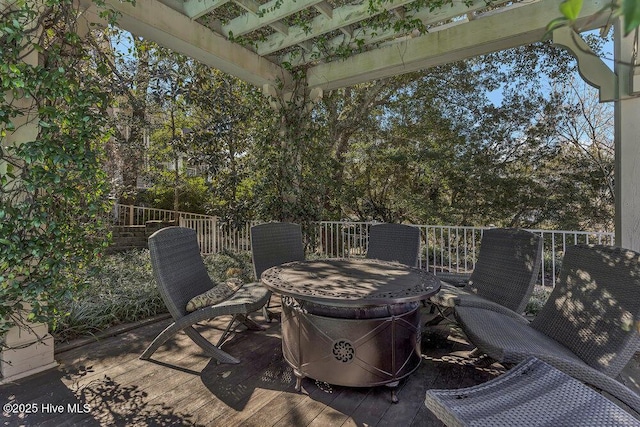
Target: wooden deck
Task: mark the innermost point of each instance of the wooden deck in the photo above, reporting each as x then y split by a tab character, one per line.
104	383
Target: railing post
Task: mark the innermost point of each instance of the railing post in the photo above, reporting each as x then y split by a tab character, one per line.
216	235
130	215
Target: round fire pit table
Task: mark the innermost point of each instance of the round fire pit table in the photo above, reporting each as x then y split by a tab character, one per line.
351	322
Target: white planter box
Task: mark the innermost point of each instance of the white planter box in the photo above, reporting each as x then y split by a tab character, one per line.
31	352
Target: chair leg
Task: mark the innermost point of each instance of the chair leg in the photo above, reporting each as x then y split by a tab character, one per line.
442	315
162	337
227	330
266	313
241	318
210	349
249	323
201	341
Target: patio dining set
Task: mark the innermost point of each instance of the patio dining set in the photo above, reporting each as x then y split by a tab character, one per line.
356	322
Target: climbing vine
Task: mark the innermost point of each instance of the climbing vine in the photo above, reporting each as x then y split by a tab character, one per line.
53	199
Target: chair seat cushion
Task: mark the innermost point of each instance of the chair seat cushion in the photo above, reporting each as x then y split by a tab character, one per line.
449	295
215	295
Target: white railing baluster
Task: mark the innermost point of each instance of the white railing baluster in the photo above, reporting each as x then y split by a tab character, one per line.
350	239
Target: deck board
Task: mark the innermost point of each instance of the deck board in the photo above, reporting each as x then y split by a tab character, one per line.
181	386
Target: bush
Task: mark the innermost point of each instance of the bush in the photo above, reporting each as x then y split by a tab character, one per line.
123	290
229	264
538	299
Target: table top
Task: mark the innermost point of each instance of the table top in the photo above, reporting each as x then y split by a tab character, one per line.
351	282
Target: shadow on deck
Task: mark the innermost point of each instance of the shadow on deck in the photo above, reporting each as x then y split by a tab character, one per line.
104	383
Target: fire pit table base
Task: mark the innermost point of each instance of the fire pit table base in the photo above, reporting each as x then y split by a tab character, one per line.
351	346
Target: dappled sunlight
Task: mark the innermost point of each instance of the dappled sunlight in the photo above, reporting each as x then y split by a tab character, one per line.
595	306
117	404
464	361
181	386
230	385
81	395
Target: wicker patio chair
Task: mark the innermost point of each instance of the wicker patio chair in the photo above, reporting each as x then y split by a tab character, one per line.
590	320
394	242
273	244
537	394
181	275
505	273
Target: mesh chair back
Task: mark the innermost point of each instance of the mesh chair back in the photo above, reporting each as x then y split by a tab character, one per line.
178	267
507	267
394	242
275	243
594	309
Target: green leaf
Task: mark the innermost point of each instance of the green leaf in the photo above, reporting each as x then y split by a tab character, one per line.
570	9
631	13
553	25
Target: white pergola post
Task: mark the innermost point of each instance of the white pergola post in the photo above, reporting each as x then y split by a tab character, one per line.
27	349
627	144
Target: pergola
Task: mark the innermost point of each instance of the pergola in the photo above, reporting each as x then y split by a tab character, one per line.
338	43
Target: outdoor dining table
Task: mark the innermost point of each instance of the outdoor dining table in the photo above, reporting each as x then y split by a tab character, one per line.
351	322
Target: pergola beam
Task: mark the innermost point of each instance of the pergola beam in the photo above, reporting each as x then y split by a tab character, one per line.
518	26
273	12
322	24
368	37
194	9
155	21
590	66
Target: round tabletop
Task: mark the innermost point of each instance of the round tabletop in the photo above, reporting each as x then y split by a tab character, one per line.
351	282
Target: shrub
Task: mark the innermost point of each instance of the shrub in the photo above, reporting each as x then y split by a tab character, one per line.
538	299
123	290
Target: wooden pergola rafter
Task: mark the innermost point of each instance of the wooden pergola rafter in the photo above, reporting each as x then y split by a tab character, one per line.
339	42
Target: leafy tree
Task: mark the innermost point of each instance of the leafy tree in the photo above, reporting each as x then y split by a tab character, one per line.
582	186
128	79
229	117
291	161
171	75
431	147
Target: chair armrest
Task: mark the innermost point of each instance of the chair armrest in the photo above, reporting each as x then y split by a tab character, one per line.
455	279
479	302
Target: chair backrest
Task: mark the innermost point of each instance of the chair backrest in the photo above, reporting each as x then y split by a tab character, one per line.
178	267
275	243
594	309
507	267
394	242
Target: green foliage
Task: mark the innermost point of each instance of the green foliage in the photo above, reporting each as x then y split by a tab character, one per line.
120	288
538	299
292	166
194	195
570	11
230	117
52	127
431	147
228	264
631	12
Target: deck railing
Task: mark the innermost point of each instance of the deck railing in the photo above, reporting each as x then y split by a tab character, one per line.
139	215
449	248
443	248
